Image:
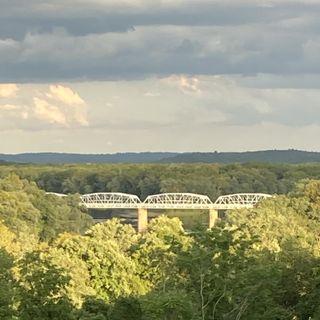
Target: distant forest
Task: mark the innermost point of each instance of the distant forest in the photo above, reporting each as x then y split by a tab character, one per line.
267	156
145	179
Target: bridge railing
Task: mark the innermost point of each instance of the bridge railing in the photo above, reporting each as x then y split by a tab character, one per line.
177	201
239	200
110	200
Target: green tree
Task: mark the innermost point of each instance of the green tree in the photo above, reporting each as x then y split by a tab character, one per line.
42	290
105	251
157	251
7	286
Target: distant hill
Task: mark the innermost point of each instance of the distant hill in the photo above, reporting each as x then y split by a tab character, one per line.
267	156
55	158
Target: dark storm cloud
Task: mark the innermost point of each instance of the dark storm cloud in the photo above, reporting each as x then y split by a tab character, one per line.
67	40
83	17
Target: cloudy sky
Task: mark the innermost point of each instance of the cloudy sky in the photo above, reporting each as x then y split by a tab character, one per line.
102	76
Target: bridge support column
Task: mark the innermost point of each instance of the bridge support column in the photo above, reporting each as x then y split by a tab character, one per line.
142	219
213	217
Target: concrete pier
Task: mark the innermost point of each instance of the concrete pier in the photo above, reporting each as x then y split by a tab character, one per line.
142	219
213	217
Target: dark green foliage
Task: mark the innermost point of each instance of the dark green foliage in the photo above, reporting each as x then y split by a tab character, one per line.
27	209
93	309
126	309
172	305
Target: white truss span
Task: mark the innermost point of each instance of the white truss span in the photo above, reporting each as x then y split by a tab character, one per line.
57	194
177	201
116	200
110	200
239	200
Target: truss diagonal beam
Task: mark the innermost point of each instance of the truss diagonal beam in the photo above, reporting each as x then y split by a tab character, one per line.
117	200
240	200
177	201
110	200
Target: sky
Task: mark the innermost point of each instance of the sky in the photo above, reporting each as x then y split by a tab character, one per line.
105	76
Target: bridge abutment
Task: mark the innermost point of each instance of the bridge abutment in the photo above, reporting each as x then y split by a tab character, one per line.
213	217
142	219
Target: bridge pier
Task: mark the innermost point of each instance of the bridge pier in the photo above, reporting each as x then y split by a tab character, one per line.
142	219
213	217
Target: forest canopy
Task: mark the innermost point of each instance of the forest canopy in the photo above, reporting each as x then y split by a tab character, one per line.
255	264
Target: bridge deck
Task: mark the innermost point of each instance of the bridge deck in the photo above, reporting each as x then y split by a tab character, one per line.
174	201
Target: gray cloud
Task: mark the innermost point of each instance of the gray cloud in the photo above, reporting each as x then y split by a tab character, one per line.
94	40
86	17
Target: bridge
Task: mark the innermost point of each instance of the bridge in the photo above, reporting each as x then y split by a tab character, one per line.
176	201
184	201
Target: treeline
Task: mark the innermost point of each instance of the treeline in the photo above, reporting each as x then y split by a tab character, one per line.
258	264
266	156
58	158
145	179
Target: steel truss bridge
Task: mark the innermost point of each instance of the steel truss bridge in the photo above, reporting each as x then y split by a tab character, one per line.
179	201
184	201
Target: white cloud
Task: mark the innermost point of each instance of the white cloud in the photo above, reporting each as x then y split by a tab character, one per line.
35	108
187	84
71	105
9	107
13	116
151	94
65	94
48	112
122	113
8	90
